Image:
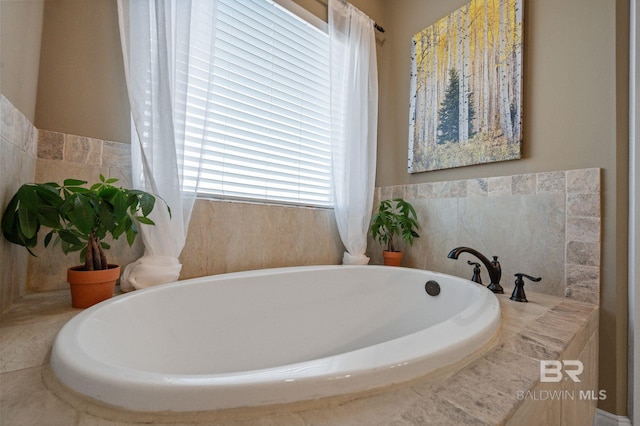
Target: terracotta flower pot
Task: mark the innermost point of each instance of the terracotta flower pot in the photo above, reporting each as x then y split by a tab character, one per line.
392	258
91	287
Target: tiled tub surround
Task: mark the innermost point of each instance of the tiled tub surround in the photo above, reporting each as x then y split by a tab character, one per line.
223	236
541	224
18	144
545	224
230	237
499	385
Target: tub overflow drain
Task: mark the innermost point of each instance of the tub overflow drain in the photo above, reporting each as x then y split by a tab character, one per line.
432	288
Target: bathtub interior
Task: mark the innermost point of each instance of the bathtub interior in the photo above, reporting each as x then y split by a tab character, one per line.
241	322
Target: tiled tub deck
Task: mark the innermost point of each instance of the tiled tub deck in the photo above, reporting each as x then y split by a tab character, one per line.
499	385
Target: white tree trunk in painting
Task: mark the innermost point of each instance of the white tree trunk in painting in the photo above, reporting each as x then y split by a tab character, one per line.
503	83
463	98
412	105
516	63
466	75
485	70
434	85
424	132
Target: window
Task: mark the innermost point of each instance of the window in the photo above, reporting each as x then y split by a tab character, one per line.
264	116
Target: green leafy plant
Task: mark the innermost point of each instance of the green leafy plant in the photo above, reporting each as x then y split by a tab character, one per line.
391	220
77	218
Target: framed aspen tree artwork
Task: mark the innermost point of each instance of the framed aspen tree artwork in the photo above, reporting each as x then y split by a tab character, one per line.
466	87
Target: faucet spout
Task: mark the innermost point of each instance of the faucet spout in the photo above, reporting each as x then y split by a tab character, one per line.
493	266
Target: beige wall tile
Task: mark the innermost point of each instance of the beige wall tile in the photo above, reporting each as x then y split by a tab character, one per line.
583	181
18	142
7	114
499	186
82	150
585	229
583	205
477	187
450	189
581	253
425	190
551	182
229	237
523	184
397	191
117	155
50	145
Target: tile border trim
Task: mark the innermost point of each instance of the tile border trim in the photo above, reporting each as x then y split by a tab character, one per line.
583	221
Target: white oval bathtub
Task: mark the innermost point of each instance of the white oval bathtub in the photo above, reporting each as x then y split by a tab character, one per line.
271	336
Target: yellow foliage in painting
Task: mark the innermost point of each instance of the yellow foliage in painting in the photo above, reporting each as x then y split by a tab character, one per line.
481	45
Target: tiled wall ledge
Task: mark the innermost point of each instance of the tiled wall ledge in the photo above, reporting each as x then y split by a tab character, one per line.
498	385
16	129
223	236
561	182
18	142
546	224
83	150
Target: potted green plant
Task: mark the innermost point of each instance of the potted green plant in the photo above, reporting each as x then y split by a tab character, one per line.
78	219
394	217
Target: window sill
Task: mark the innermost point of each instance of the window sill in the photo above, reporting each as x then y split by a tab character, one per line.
207	197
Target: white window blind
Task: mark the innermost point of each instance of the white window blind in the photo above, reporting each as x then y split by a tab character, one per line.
261	105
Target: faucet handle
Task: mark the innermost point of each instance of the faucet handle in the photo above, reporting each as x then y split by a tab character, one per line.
519	275
476	272
518	292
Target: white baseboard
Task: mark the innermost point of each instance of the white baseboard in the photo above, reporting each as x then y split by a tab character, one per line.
604	418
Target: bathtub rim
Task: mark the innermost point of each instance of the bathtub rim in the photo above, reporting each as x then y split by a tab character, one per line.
244	384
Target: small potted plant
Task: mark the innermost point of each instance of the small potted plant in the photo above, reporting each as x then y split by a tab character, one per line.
78	219
394	217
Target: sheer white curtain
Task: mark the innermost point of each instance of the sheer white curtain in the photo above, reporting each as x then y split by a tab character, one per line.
354	121
157	36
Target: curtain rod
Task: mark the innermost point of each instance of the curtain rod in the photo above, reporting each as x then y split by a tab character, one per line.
375	24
